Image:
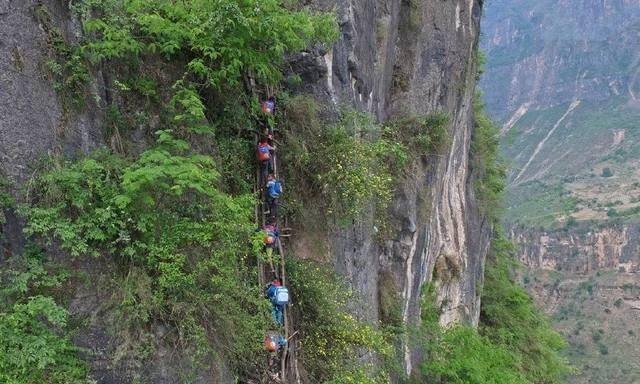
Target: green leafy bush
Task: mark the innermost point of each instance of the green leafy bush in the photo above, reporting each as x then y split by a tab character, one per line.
486	160
221	40
354	169
6	199
421	135
34	347
460	354
66	65
333	340
510	319
350	164
164	216
513	344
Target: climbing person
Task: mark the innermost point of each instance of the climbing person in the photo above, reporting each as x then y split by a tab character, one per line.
271	236
269	105
264	153
274	341
274	189
269	108
266	127
279	296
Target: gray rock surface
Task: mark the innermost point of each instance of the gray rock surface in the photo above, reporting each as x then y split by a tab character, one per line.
398	58
33	120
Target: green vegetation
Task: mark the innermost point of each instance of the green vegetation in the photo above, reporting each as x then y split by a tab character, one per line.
175	227
334	340
354	164
509	320
66	65
162	219
352	168
486	160
6	199
461	354
539	205
174	220
34	341
420	135
546	200
221	40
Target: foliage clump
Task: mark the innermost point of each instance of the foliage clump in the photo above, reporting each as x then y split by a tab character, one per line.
221	40
334	341
354	166
350	164
420	135
510	319
34	342
514	342
66	65
163	217
491	179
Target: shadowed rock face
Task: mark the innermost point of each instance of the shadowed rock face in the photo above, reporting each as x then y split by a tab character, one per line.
393	58
33	119
398	58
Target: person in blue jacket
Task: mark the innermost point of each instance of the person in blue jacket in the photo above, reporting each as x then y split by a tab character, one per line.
274	189
279	296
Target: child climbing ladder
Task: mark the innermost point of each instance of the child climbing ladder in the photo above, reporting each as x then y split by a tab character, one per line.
269	189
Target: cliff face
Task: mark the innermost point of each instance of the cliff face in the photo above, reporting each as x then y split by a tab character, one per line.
34	120
586	279
393	58
580	251
396	58
422	62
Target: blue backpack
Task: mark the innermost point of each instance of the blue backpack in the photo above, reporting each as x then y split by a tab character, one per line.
282	296
275	189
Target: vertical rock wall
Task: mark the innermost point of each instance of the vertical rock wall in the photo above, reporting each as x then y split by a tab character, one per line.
580	250
33	118
414	57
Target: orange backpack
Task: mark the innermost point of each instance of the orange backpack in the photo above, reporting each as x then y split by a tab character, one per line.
270	238
263	152
270	344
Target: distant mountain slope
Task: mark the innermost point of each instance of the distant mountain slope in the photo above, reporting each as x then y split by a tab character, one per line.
563	77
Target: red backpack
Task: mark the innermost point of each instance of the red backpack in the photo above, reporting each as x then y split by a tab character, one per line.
263	152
